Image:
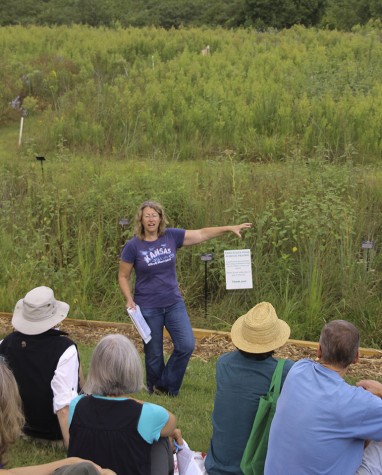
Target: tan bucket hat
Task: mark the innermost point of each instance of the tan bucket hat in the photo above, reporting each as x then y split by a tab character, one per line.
259	330
38	312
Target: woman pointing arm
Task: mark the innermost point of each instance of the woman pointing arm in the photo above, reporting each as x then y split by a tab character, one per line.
151	253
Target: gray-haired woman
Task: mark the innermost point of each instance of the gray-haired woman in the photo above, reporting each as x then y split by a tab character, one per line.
110	426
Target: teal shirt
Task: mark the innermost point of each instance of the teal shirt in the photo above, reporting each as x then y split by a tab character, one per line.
240	381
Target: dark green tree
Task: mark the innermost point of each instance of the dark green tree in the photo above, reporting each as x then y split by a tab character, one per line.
17	12
283	13
344	14
226	13
59	12
96	12
376	9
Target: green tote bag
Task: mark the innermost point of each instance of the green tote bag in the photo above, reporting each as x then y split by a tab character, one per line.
253	460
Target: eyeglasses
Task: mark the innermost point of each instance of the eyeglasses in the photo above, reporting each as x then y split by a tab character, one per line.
148	216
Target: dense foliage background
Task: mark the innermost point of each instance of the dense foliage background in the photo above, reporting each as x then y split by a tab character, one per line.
282	129
149	92
340	14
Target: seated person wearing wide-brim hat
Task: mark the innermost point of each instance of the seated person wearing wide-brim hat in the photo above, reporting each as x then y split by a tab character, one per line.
243	376
45	363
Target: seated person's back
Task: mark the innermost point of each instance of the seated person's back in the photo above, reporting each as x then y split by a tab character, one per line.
321	422
109	426
243	376
44	361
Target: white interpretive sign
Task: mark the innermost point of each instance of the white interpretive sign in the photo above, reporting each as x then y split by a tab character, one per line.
238	269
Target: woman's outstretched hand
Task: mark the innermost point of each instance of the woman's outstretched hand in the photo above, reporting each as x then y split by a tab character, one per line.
240	227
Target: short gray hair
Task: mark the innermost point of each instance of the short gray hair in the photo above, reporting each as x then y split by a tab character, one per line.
339	342
115	368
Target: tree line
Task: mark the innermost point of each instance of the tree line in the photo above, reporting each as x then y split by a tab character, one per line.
260	14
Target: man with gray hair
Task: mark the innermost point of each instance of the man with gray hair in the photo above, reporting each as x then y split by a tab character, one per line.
45	363
321	422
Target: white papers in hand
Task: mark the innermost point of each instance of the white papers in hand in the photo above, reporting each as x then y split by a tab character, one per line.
140	323
187	465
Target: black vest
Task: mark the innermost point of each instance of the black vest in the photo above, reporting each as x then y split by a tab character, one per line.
105	431
33	360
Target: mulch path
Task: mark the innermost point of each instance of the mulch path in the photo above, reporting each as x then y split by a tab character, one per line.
369	367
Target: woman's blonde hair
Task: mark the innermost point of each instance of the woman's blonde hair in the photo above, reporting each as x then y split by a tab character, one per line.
138	226
115	368
11	415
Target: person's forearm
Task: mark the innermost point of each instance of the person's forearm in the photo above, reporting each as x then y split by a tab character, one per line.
213	232
63	419
125	287
45	469
169	427
375	387
124	280
81	377
197	236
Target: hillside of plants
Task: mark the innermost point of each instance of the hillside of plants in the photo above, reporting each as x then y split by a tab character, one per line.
281	129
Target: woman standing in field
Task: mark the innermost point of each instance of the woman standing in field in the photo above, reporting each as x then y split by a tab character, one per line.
152	255
11	424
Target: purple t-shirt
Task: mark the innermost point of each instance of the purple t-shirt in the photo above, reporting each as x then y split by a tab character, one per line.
154	262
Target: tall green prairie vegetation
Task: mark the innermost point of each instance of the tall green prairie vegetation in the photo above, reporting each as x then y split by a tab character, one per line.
60	227
272	128
149	92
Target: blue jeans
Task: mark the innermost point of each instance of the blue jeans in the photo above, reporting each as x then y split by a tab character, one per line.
175	319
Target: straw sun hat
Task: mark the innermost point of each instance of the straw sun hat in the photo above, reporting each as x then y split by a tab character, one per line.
38	312
259	330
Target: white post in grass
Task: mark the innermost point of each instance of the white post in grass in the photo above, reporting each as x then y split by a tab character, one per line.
21	129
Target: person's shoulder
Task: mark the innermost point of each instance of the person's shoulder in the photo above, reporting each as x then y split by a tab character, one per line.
175	234
303	362
76	400
228	356
291	366
149	408
132	242
8	337
65	343
227	359
71	344
289	363
174	231
63	335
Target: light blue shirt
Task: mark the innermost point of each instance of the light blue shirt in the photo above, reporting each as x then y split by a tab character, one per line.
321	423
152	420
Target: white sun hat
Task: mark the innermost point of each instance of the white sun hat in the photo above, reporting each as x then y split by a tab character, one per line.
38	312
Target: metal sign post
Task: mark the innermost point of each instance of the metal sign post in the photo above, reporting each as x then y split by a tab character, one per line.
41	160
367	246
206	258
